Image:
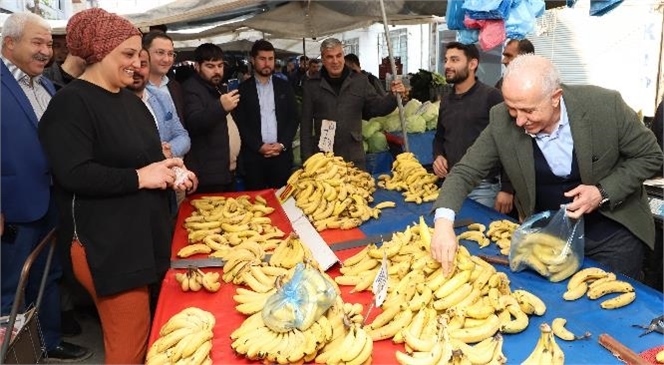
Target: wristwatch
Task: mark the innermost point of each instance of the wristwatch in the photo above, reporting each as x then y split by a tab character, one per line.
283	148
605	196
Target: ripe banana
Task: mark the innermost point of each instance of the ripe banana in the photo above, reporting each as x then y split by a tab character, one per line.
619	301
558	328
529	302
547	350
616	286
587	274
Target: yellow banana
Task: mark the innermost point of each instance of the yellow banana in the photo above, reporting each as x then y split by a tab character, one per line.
478	333
529	302
576	292
619	301
389	330
558	328
590	273
193	249
616	286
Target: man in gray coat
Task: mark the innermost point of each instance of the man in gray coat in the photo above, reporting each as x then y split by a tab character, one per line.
344	98
583	146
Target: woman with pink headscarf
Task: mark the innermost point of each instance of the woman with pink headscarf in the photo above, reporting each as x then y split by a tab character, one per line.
110	180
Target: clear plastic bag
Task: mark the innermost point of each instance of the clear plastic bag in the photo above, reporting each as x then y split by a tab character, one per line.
300	302
549	243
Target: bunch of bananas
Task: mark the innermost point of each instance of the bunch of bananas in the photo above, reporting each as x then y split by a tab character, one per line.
241	258
256	341
548	255
185	338
559	330
355	347
219	223
475	233
410	176
500	232
547	350
194	279
595	283
291	252
353	311
333	193
477	298
439	348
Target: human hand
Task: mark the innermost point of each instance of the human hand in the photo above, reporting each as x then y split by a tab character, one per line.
397	87
440	166
270	149
230	100
185	180
158	175
166	149
444	244
504	202
585	199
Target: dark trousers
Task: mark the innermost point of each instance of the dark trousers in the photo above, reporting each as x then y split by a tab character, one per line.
621	252
14	256
266	173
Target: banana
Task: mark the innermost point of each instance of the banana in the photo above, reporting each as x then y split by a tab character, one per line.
608	287
476	334
453	298
385	204
619	301
529	302
591	273
202	353
453	284
558	328
660	357
364	356
193	249
165	342
389	330
419	344
518	324
360	338
384	317
547	350
481	353
422	358
197	340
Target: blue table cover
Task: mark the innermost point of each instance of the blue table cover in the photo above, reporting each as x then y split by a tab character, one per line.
582	315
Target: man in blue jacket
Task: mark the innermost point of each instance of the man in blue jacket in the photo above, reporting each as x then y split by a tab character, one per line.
28	212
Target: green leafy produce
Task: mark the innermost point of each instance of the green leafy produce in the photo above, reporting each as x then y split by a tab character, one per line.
431	111
370	128
411	107
365	145
377	143
392	123
415	124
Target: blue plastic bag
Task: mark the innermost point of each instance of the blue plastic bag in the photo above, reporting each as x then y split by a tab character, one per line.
550	243
521	20
468	36
455	14
601	7
487	9
300	302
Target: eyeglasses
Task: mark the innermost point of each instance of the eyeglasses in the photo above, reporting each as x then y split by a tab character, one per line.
162	53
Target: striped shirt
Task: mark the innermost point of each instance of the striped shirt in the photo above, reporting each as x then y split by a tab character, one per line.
37	94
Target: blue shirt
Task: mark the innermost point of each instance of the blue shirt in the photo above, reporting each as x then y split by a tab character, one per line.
268	114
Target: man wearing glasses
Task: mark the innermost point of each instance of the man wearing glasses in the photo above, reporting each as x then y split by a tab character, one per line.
162	57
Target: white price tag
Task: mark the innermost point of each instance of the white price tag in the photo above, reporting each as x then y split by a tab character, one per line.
327	130
380	283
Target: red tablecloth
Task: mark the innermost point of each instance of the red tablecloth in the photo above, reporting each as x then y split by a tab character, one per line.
172	299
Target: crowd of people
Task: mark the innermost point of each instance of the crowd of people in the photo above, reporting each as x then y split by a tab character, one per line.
105	145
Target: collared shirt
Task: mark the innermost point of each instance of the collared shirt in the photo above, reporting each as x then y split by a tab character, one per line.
558	146
37	94
162	85
268	113
146	96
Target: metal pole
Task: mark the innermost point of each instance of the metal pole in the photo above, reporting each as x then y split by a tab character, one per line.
394	73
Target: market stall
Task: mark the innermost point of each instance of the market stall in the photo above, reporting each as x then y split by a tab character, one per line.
582	315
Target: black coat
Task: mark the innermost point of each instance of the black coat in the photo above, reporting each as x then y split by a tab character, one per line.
205	120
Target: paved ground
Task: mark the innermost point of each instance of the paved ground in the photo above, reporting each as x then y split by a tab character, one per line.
91	336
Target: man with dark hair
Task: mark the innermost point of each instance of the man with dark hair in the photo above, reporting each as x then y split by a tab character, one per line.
463	115
207	105
298	76
267	118
514	48
162	56
342	99
353	62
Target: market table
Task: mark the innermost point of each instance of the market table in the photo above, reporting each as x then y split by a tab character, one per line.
582	315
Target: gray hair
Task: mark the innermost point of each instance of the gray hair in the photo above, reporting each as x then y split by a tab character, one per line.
15	25
330	43
536	67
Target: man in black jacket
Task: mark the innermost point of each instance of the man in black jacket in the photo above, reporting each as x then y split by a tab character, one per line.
267	119
207	105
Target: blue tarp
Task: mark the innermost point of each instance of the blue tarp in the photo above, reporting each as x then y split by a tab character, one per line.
582	315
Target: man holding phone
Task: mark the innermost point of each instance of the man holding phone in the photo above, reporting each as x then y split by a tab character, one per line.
214	137
267	118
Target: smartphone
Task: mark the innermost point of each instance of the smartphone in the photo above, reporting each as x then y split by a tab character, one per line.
233	84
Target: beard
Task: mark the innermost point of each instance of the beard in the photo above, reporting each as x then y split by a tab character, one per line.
265	71
458	76
215	80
